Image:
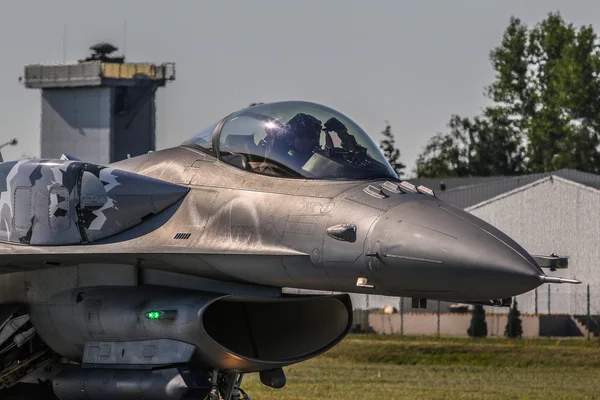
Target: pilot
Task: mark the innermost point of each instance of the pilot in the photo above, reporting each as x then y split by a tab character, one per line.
293	143
303	133
348	142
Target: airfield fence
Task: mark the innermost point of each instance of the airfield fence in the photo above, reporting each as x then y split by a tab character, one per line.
395	315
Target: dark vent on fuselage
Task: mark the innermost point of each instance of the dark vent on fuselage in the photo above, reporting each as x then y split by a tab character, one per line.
183	236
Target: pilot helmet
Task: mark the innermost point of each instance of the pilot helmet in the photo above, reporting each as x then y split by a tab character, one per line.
304	126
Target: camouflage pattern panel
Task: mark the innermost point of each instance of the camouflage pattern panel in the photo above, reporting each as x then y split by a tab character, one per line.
113	200
37	202
61	202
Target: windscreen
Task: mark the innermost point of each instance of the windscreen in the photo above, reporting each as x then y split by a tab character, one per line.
204	137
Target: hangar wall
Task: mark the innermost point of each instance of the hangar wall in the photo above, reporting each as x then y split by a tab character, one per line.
560	216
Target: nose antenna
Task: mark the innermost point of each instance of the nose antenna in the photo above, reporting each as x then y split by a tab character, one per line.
553	279
553	262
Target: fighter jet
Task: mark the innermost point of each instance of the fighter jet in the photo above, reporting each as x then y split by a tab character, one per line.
164	276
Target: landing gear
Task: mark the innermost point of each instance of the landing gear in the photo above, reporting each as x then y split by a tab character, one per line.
21	353
226	386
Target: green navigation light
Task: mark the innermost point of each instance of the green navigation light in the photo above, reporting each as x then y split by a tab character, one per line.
161	314
153	314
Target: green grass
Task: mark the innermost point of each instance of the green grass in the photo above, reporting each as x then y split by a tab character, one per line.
392	367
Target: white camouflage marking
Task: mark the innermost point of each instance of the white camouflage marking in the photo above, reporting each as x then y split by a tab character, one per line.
106	175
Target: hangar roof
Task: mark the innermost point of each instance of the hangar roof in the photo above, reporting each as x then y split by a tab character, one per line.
468	191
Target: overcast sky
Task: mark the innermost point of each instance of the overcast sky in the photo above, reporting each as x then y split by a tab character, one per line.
411	63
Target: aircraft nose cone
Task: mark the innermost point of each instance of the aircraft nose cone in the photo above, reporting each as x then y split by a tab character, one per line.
434	250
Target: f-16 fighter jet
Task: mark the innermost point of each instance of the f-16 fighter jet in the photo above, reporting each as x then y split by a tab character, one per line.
161	276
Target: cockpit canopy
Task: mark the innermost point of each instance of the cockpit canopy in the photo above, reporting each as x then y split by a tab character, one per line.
295	139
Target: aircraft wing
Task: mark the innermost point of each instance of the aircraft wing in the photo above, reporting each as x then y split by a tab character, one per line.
25	261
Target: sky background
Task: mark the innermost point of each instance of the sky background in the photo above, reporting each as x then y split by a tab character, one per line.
412	63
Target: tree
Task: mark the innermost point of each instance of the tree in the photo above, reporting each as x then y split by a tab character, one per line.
546	111
514	325
485	146
478	327
388	146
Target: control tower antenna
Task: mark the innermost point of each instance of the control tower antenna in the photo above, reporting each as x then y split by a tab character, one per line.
64	43
98	109
125	37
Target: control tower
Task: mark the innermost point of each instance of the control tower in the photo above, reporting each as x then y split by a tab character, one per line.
100	109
